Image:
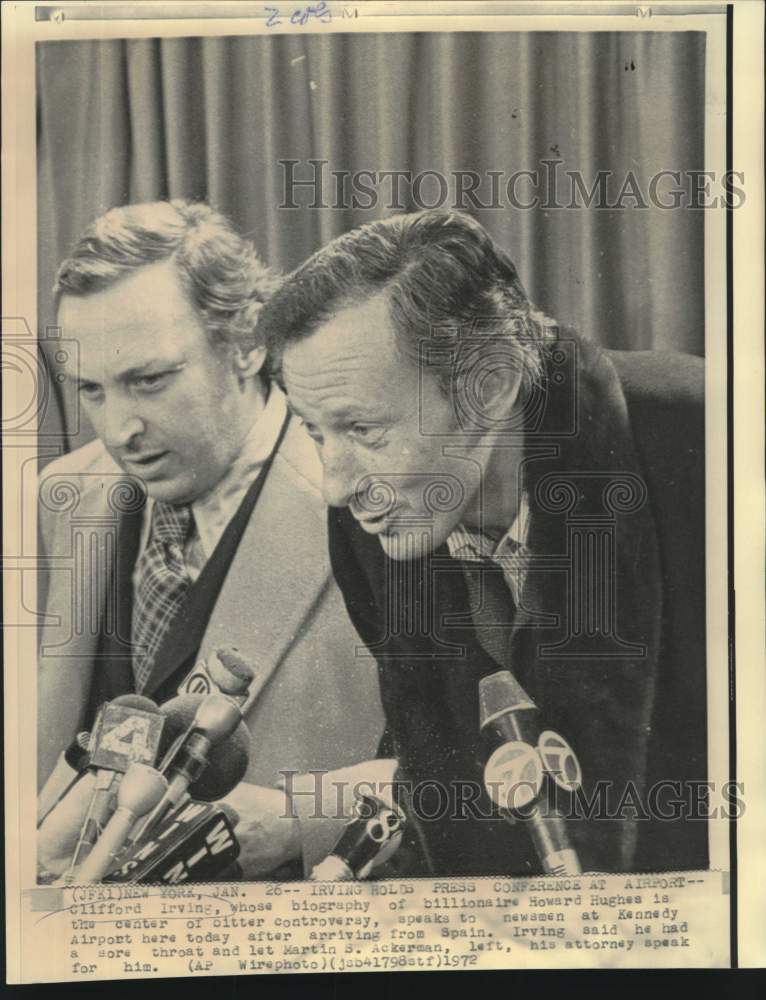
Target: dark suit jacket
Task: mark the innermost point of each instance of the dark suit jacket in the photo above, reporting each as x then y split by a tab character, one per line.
614	464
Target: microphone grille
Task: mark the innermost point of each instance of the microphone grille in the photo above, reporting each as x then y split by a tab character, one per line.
500	693
235	663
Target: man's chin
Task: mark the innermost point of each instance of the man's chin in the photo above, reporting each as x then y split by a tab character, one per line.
407	543
169	491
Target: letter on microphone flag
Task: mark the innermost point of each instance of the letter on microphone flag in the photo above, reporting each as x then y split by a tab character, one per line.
124	735
195	843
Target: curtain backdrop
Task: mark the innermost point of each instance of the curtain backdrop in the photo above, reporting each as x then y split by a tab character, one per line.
126	121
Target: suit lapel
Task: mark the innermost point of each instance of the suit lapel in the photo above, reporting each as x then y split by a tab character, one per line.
280	568
113	673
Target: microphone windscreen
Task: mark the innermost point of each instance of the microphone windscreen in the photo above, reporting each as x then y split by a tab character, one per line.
76	754
235	663
230	672
500	693
136	701
227	762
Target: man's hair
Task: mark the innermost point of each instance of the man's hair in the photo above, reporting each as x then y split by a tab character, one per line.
219	270
444	280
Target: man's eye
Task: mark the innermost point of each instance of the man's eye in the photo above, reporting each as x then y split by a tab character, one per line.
90	390
312	430
368	433
150	383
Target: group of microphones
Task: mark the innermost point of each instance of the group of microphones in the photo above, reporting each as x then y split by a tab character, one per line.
141	804
136	800
526	765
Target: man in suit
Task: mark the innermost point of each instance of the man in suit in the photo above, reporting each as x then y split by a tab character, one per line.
507	496
194	521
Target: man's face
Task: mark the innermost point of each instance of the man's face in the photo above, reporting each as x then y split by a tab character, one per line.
170	408
389	443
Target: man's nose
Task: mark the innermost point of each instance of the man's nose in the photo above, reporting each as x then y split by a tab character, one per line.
339	477
122	423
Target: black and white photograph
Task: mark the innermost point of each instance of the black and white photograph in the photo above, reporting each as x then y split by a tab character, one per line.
375	489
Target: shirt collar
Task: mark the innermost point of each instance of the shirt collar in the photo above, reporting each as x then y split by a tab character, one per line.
214	511
465	543
221	502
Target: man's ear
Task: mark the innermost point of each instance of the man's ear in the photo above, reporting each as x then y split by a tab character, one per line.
492	393
500	389
249	363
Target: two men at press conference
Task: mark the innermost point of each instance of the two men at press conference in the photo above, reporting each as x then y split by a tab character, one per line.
505	495
199	514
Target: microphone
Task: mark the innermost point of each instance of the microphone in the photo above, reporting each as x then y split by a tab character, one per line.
83	809
127	730
69	766
230	673
226	763
140	790
196	841
77	754
524	756
371	836
216	735
225	671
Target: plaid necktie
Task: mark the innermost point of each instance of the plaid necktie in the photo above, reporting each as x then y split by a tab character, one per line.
162	583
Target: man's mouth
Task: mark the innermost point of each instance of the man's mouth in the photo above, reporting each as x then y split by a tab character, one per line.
375	524
144	464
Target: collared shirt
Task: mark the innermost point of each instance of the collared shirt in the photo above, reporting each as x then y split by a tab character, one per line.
213	512
510	552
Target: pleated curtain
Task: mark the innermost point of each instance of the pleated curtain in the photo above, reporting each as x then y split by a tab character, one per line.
136	120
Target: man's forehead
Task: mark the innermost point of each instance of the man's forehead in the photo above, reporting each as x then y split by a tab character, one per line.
357	335
115	351
151	294
143	317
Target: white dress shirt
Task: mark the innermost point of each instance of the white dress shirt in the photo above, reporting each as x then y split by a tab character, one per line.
213	512
510	552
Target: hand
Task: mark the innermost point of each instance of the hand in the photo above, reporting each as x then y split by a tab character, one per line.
268	833
60	831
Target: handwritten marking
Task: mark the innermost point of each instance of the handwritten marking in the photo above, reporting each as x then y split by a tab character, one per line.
71	909
277	17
